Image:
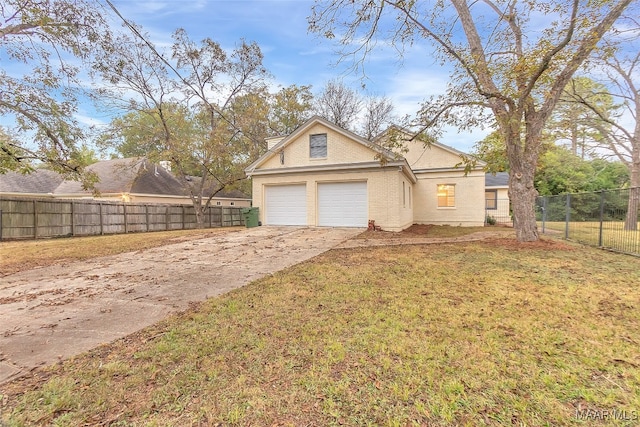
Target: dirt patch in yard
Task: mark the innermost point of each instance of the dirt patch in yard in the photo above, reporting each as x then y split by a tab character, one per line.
23	255
64	308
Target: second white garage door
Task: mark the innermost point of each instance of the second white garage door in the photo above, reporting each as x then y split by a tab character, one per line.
343	204
286	204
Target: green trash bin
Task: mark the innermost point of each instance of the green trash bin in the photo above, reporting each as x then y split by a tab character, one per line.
250	216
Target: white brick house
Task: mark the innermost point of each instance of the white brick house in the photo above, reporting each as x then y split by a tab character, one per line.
323	175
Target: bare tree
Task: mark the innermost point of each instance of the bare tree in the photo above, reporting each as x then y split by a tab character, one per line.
188	108
378	115
507	63
339	104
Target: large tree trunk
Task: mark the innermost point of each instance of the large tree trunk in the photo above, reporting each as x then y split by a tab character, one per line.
200	216
523	159
523	195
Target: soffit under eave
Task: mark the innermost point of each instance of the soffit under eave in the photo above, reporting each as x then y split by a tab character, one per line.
337	168
408	172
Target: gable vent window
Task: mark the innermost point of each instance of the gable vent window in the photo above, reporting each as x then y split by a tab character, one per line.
318	146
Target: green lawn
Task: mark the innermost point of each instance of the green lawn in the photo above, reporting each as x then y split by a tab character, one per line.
489	333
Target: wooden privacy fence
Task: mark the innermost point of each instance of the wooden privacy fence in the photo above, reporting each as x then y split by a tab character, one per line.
22	218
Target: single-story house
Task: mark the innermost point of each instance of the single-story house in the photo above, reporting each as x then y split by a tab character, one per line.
497	196
323	175
132	180
35	184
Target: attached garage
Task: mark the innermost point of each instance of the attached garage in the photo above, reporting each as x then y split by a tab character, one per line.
286	204
343	204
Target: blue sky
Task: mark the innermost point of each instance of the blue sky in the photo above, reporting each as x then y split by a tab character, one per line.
291	54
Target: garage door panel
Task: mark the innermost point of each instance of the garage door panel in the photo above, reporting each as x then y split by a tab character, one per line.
343	204
286	204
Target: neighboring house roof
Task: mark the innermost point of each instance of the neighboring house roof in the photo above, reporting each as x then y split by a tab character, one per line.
118	176
40	181
224	194
499	179
132	175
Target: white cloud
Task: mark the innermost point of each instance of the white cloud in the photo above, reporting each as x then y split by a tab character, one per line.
89	121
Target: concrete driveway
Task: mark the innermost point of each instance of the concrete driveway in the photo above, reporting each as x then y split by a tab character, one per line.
52	313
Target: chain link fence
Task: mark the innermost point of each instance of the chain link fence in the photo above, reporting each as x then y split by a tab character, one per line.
607	219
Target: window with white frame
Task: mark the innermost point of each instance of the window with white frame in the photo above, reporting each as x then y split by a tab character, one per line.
446	195
491	197
318	146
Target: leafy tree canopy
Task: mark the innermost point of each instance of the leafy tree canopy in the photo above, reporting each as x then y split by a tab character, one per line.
42	40
507	62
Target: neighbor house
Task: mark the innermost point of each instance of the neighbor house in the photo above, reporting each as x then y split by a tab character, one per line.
40	182
323	175
132	180
497	196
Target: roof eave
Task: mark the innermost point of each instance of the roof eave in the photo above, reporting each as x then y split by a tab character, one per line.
388	155
334	167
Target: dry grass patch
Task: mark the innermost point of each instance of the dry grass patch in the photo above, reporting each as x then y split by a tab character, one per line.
27	254
613	234
433	231
465	334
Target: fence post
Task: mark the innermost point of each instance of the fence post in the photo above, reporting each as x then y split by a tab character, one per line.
183	217
146	214
544	212
73	219
101	219
166	219
601	218
567	217
126	220
35	219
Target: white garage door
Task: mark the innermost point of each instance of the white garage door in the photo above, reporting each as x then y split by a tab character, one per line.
342	204
286	204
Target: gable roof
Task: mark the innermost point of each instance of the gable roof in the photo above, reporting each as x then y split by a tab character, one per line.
40	181
386	154
499	179
411	137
